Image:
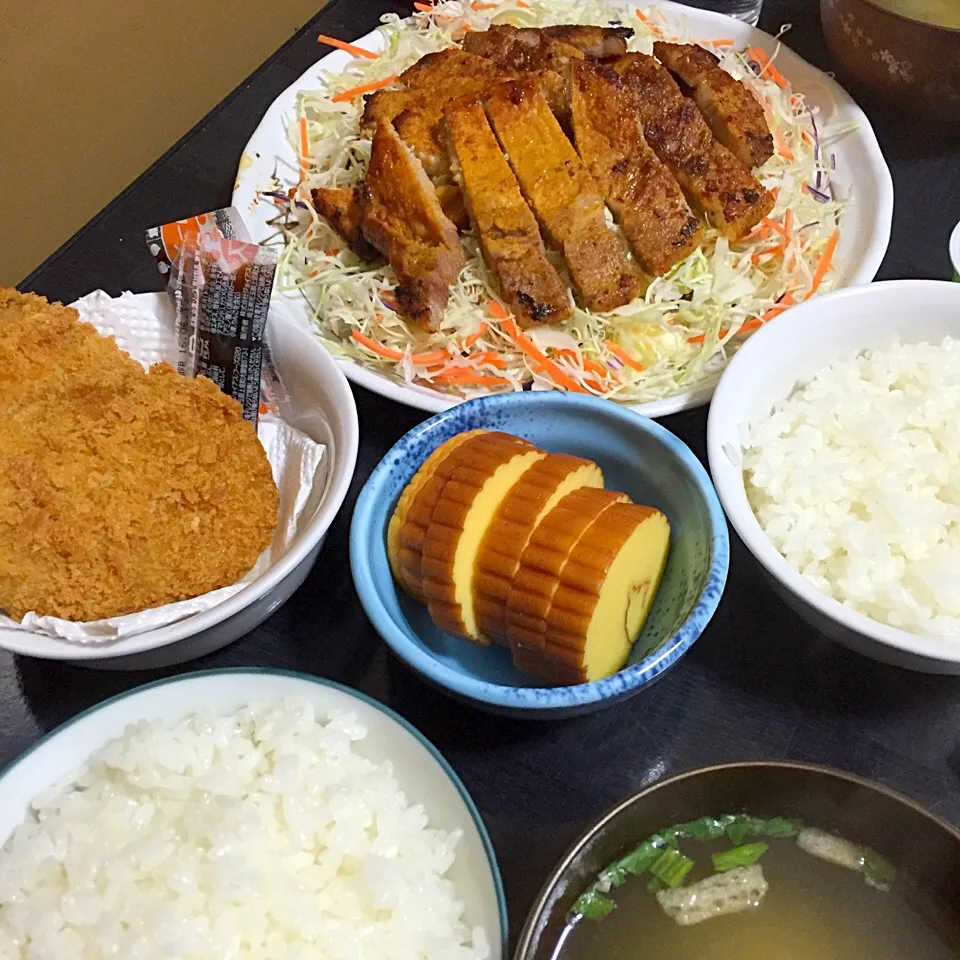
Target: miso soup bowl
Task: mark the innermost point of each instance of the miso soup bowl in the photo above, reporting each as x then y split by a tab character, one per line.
923	847
911	64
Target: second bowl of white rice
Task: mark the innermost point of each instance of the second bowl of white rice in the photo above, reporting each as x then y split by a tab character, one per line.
243	814
834	445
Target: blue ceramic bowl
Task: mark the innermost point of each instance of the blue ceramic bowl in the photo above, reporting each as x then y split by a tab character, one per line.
638	457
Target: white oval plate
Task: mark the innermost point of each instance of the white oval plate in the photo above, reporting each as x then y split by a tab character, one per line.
861	174
423	773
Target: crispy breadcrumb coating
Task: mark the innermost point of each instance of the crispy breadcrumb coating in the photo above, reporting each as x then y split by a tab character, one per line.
120	489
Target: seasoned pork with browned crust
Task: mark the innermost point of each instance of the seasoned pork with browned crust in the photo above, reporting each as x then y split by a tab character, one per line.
732	112
505	227
592	41
381	107
711	176
523	49
417	110
563	195
434	80
439	73
403	219
645	199
341	208
452	204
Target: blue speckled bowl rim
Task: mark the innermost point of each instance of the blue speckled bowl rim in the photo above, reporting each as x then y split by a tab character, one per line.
441	760
540	698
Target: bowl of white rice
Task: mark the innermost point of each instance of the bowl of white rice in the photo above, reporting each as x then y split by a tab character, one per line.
248	814
834	445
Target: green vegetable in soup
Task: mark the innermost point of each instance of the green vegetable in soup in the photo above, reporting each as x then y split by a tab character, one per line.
671	867
743	856
660	857
878	870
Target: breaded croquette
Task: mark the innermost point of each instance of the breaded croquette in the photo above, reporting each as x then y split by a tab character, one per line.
120	489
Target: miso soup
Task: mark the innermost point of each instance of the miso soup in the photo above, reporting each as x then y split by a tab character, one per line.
793	905
941	13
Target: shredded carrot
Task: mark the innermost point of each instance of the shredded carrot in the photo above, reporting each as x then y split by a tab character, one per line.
773	251
332	252
377	348
623	356
523	5
426	359
476	335
497	310
773	225
767	67
699	338
786	301
585	362
489	358
469	377
782	148
725	42
477	5
824	265
598	368
788	238
349	47
364	88
423	7
776	76
651	26
304	149
531	350
599	387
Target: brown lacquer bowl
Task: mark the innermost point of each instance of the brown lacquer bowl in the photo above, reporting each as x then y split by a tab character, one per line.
917	842
912	64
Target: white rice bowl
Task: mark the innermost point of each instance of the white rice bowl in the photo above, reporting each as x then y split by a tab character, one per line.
856	481
258	833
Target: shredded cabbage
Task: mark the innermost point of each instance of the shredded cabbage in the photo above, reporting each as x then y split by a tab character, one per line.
680	333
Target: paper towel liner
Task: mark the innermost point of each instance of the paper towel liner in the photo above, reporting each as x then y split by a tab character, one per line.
144	327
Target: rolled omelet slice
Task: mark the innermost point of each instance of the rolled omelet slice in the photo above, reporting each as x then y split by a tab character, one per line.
399	516
535	494
538	574
413	531
606	590
478	484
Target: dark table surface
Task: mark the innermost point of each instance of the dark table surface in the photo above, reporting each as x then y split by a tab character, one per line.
758	684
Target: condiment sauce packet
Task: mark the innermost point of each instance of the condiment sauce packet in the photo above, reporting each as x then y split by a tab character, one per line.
220	284
144	325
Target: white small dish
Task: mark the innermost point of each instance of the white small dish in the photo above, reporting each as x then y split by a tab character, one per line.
323	407
420	768
861	174
789	351
955	252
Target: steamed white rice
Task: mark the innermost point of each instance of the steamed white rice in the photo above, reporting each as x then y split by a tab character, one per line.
264	834
856	480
